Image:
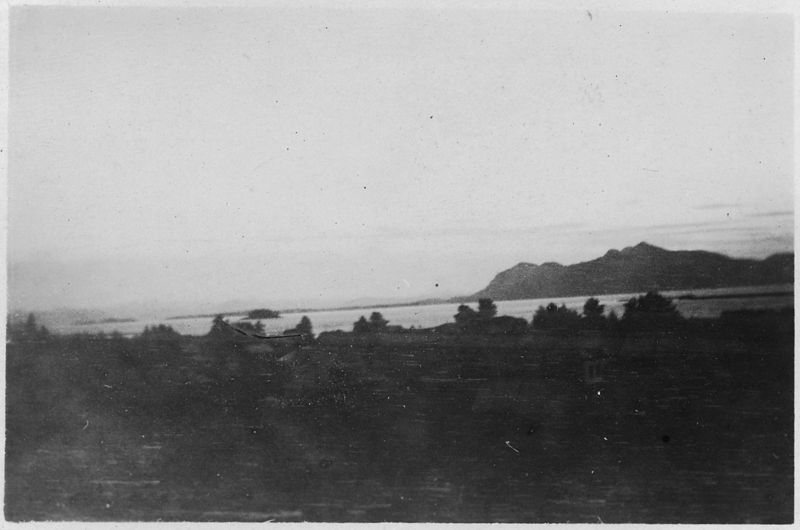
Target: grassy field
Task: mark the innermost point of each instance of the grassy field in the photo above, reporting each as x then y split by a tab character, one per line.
691	425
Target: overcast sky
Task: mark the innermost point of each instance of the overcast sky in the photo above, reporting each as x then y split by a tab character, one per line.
318	156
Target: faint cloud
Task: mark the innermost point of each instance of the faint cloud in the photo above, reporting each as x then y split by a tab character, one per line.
775	213
717	206
474	231
670	226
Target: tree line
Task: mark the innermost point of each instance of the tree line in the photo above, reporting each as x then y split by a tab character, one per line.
650	311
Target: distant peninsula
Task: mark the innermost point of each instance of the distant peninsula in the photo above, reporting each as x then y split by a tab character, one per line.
640	268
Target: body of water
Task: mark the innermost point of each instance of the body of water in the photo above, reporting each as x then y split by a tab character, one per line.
426	316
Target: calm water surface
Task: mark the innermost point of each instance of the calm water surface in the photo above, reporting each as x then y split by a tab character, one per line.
434	315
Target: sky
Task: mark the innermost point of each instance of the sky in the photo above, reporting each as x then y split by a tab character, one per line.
309	156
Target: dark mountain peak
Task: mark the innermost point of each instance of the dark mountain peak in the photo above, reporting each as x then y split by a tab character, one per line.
643	248
550	265
639	268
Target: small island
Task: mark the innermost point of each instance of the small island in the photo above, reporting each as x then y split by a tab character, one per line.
104	321
254	314
263	313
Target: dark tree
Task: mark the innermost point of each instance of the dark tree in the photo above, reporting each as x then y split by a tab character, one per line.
650	311
612	323
259	328
304	327
361	326
377	321
593	314
593	308
220	329
465	315
486	308
160	333
30	326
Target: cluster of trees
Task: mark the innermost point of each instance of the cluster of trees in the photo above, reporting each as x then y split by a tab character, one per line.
559	317
485	321
27	331
158	333
221	329
646	312
466	315
554	317
376	323
650	311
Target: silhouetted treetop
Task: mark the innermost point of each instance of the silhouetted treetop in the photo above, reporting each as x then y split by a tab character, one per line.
593	308
593	314
220	329
303	328
486	308
650	311
30	325
160	332
465	315
361	326
652	303
377	321
555	317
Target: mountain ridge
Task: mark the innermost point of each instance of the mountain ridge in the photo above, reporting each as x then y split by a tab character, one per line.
638	268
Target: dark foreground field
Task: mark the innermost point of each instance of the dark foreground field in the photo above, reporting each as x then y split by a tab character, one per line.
693	425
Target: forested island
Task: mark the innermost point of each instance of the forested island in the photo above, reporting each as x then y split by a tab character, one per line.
263	313
572	416
253	314
110	320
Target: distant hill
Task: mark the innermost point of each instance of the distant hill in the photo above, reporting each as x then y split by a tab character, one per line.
637	269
